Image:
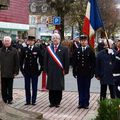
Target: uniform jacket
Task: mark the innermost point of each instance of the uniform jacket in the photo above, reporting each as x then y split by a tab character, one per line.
9	61
84	62
104	67
116	68
31	61
55	80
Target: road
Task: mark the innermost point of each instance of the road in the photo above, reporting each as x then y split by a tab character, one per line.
70	83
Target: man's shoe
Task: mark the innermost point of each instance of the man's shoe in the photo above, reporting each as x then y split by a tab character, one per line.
86	107
80	106
57	106
27	103
33	103
51	105
10	102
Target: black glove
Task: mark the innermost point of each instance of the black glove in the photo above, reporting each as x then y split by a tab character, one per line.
74	73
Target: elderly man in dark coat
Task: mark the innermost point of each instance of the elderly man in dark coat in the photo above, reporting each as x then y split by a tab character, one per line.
56	64
9	63
104	67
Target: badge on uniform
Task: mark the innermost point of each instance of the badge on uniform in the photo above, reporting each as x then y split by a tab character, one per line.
110	63
34	53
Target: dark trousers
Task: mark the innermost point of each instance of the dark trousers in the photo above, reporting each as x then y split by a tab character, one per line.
117	83
55	97
7	89
103	91
83	83
31	79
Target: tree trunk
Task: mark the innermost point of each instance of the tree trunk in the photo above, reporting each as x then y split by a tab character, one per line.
9	113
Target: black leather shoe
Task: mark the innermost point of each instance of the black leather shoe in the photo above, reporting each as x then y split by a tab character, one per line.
51	105
33	103
57	106
80	106
86	107
10	102
27	103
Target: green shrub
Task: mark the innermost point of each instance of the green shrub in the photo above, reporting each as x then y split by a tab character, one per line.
109	109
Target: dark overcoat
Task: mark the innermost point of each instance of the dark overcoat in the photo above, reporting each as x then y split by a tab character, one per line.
9	61
55	76
104	67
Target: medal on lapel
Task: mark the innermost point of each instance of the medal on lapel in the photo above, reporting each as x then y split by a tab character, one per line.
110	63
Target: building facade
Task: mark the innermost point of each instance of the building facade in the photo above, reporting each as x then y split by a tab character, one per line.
14	21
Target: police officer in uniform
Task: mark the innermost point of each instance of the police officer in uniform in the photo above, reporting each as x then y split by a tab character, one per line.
31	63
83	71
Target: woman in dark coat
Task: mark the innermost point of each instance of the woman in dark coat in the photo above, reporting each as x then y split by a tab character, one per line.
55	80
104	66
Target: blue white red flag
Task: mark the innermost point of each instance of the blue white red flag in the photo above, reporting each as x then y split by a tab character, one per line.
92	21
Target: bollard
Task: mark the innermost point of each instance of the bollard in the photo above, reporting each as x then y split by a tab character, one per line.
43	81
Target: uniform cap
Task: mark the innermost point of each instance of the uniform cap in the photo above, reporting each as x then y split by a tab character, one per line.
31	38
83	37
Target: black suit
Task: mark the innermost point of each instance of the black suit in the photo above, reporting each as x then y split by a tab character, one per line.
83	69
30	69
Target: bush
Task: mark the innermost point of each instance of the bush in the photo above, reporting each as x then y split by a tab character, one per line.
109	110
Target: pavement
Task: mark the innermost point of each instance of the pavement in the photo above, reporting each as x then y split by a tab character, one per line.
67	111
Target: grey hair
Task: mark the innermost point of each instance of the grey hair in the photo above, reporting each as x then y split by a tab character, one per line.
56	35
7	37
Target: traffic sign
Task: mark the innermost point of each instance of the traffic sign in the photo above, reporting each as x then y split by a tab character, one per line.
56	20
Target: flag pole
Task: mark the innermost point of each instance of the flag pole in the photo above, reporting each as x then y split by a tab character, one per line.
106	36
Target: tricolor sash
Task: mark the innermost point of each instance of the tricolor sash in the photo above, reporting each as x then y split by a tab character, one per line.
55	57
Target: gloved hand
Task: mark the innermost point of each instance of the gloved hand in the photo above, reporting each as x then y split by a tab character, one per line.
74	73
110	51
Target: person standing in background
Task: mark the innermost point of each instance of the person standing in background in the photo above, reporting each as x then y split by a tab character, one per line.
116	70
104	69
9	62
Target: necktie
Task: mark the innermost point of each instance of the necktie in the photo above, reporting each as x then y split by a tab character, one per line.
55	48
30	47
6	49
83	49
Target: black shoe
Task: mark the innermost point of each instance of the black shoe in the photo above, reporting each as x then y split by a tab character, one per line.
27	103
51	105
80	106
86	107
10	102
33	103
57	106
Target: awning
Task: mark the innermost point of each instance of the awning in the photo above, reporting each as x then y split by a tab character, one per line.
14	26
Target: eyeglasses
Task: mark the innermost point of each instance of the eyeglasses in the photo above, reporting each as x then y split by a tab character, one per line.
55	38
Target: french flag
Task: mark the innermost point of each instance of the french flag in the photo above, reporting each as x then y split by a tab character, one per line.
92	21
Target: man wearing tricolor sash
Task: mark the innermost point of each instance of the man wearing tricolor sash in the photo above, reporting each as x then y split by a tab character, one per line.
56	65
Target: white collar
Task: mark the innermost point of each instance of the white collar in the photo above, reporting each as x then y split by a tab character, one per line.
57	45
